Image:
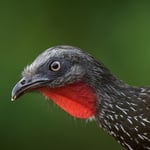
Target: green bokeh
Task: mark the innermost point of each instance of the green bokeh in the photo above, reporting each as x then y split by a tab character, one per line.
116	32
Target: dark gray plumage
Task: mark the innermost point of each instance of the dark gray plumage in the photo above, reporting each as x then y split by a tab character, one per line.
121	110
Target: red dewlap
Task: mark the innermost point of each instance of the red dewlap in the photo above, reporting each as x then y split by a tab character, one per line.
78	99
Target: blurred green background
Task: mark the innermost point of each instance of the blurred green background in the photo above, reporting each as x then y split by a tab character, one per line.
115	32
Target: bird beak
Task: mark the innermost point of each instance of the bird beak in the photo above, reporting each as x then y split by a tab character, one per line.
27	84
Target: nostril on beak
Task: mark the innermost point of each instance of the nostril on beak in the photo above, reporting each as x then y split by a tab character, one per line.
23	82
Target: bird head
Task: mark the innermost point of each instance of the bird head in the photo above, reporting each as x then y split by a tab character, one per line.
62	74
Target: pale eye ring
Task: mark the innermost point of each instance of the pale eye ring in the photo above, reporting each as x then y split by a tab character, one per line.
55	66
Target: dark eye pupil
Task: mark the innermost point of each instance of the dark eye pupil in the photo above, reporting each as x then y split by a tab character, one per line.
55	66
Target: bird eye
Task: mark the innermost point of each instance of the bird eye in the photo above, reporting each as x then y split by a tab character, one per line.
55	66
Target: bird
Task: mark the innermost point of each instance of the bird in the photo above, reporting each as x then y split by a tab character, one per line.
84	88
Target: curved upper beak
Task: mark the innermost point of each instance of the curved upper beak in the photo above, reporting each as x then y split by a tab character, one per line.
27	84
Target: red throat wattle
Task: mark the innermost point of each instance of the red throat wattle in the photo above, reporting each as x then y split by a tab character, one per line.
78	99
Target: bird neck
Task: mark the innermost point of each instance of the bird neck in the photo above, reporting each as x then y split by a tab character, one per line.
113	109
123	111
115	105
